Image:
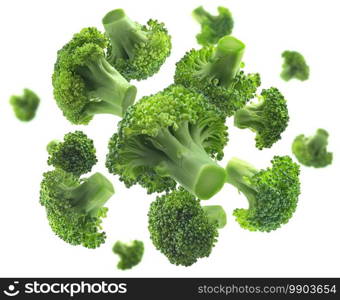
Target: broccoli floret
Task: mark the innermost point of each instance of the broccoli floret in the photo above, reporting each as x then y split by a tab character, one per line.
136	51
171	136
181	229
130	254
85	83
213	27
75	207
76	154
272	193
268	117
294	66
312	151
215	72
25	106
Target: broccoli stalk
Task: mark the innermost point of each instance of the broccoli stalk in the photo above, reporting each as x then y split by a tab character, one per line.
272	193
130	253
136	51
216	215
312	151
75	208
268	117
85	83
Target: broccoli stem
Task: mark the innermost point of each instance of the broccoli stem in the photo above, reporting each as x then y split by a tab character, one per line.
123	33
51	146
92	194
250	116
238	174
226	61
188	163
111	92
200	14
216	214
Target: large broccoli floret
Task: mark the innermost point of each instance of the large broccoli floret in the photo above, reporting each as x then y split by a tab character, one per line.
171	136
85	83
294	66
25	106
136	51
213	27
75	207
272	193
215	72
268	117
130	254
181	229
312	151
76	154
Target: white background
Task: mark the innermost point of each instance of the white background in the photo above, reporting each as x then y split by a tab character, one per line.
32	32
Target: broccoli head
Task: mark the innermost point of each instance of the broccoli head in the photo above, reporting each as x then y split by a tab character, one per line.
268	117
213	27
85	83
76	154
215	72
181	229
272	193
312	151
130	254
25	106
294	66
136	51
172	136
75	207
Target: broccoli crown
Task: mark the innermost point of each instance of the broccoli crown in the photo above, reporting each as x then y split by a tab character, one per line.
76	154
130	254
25	106
136	51
312	151
272	193
75	207
85	83
213	27
294	66
215	72
268	118
171	136
180	228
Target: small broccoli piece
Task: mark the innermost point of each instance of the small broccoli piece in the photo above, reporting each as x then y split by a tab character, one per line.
294	66
312	151
268	117
181	229
272	193
130	254
215	72
136	51
85	83
76	154
172	136
75	207
25	106
213	27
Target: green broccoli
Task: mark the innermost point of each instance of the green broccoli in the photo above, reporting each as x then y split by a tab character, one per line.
171	136
181	229
312	151
294	66
74	207
213	27
215	72
130	254
136	51
272	193
268	117
25	106
76	154
85	83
